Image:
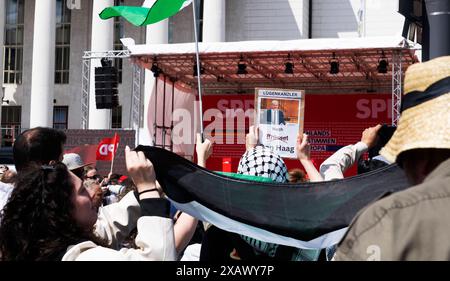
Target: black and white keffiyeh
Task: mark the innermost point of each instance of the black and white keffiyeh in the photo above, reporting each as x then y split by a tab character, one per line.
263	162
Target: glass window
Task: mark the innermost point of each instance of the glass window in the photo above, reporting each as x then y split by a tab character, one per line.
62	51
11	12
13	42
60	117
116	117
11	122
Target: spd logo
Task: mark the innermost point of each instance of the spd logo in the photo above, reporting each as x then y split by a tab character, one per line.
107	148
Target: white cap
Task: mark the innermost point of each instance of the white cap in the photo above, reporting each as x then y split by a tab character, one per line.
73	161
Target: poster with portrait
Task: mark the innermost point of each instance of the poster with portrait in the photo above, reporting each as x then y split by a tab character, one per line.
280	118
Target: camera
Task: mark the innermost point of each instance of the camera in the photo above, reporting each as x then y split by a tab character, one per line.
384	135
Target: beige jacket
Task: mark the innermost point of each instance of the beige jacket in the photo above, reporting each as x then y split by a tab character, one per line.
413	224
155	239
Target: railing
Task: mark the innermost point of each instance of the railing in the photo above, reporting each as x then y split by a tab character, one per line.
8	134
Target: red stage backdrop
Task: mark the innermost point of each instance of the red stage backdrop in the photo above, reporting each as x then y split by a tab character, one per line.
331	121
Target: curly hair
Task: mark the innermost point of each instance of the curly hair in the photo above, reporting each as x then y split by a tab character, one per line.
296	176
37	222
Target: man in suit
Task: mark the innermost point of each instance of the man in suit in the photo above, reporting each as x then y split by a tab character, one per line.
274	115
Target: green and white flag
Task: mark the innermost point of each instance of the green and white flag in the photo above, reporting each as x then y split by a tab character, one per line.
152	11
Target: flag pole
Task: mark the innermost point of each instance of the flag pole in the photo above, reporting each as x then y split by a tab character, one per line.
197	55
114	152
112	162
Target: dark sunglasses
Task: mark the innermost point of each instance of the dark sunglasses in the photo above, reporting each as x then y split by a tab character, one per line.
96	177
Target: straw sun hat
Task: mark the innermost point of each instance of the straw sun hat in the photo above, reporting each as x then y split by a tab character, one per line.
425	116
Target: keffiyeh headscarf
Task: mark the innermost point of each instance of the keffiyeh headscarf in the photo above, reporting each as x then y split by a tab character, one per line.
263	162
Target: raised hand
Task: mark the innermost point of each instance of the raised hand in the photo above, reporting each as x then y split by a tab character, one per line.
251	139
370	136
303	147
141	171
203	149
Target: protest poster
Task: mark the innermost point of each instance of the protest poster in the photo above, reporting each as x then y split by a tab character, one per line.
280	118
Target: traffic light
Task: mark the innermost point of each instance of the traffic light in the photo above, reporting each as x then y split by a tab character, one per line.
106	83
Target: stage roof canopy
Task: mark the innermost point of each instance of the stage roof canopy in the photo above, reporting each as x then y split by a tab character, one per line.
265	61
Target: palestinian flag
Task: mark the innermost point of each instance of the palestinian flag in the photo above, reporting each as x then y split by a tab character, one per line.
307	215
152	11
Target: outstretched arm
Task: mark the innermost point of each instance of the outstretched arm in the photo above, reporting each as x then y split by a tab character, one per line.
155	238
303	154
184	230
185	225
335	165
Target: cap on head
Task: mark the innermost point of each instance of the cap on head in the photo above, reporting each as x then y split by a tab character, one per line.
73	161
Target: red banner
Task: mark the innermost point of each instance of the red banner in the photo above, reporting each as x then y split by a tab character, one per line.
331	121
107	148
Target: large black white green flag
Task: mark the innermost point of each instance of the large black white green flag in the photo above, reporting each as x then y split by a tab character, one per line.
307	215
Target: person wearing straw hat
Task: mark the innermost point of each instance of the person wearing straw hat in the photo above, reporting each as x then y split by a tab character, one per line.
412	224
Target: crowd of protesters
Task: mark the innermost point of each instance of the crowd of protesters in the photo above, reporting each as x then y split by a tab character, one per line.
56	207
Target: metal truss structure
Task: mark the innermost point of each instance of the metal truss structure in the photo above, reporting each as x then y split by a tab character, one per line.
357	69
85	76
135	117
396	86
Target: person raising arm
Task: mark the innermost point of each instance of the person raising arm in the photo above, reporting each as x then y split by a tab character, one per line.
303	155
335	166
51	216
185	224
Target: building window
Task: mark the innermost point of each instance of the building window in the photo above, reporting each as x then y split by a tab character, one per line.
60	117
13	42
116	117
118	33
62	50
11	119
199	14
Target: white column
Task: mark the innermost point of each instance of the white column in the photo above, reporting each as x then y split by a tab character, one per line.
43	65
155	34
101	40
214	21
